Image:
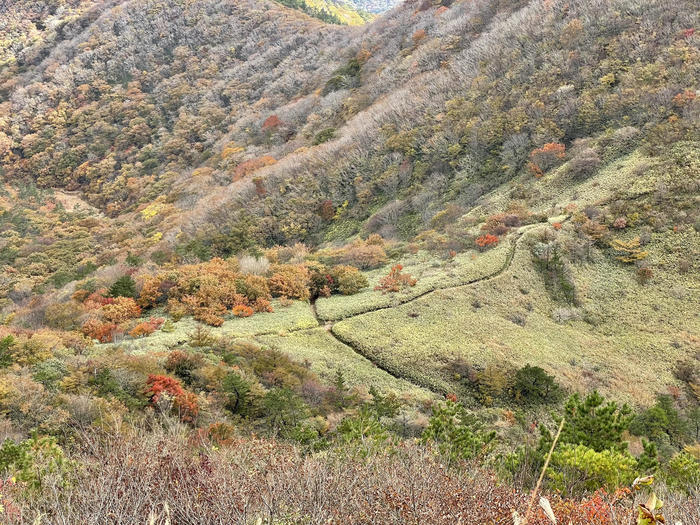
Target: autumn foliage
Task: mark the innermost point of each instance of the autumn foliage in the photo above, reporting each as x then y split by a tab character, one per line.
100	330
208	291
241	310
184	403
486	241
121	309
290	280
147	327
272	122
546	157
249	166
396	280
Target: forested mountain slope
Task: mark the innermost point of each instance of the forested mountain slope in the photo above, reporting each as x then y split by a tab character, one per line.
229	218
426	106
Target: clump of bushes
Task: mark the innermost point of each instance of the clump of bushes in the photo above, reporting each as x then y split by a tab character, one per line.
584	163
364	254
167	394
396	280
545	158
558	277
210	290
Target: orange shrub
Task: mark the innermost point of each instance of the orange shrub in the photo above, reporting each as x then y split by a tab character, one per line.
96	329
546	157
290	280
153	290
141	330
396	280
120	309
211	315
253	287
486	241
80	295
147	327
187	407
262	305
241	310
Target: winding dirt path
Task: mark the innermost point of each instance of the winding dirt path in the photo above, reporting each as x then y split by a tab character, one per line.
329	325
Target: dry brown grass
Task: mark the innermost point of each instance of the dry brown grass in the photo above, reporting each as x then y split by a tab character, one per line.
172	476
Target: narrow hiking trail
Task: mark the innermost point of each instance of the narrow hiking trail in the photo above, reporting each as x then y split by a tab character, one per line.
330	324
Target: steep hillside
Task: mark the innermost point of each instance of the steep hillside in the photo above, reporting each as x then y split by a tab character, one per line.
191	130
235	218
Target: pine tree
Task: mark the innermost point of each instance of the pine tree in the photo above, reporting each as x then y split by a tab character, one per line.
648	462
595	423
534	385
341	389
123	287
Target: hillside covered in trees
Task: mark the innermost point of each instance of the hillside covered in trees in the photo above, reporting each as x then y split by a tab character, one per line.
255	255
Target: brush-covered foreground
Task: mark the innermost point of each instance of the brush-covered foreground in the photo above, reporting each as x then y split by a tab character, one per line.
175	476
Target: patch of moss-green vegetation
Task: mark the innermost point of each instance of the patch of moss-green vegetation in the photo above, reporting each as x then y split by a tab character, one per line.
431	272
326	356
621	334
634	174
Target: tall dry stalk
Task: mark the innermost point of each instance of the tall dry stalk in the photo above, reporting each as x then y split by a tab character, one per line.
528	512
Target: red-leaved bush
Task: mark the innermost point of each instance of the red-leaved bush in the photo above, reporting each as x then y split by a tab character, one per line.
486	241
396	280
184	403
272	122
